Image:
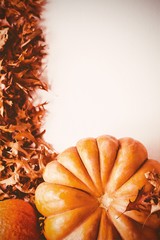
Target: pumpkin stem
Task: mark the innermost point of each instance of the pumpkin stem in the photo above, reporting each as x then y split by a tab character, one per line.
105	201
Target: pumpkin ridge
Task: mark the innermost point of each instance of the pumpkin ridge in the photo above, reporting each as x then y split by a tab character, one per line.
119	221
106	228
89	154
137	181
88	182
88	174
60	198
65	211
128	228
131	156
61	171
109	140
87	170
76	221
79	232
146	219
132	176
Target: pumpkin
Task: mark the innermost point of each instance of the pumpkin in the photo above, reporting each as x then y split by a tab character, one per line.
18	220
87	189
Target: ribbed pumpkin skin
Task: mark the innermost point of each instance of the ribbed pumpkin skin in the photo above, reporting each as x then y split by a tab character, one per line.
88	187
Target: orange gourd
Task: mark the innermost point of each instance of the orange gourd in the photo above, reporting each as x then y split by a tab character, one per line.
86	191
18	221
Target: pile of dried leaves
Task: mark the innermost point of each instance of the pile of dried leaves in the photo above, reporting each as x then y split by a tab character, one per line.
23	151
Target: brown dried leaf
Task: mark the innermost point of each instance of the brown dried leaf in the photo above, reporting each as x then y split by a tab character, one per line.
23	136
9	181
140	203
148	201
30	37
4	22
155	207
154	179
3	37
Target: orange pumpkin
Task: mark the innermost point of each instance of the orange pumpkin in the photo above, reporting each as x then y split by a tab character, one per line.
87	189
18	221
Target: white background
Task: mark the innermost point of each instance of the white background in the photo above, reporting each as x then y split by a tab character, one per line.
104	71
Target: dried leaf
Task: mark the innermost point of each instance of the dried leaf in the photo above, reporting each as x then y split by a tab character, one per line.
9	181
3	37
155	207
154	179
148	201
140	203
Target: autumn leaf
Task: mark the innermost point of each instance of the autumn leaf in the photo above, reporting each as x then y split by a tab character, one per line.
155	208
148	201
154	179
140	203
3	37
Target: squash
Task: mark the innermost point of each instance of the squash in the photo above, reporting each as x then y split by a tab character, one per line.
87	189
18	220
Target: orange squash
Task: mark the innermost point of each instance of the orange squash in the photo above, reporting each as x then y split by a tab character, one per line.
86	191
18	221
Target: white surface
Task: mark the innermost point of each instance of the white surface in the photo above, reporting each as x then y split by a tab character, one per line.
104	69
